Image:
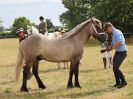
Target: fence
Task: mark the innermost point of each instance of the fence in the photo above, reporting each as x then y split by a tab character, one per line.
7	36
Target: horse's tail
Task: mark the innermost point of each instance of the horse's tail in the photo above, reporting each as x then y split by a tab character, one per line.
19	66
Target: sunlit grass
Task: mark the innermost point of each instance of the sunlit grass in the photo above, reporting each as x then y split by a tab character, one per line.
95	81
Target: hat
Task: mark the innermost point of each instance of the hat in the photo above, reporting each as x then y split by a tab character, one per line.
62	31
108	24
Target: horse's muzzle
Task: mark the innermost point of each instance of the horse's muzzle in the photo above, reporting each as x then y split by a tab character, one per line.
101	37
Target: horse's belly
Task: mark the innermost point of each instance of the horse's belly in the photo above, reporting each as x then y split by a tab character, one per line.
57	57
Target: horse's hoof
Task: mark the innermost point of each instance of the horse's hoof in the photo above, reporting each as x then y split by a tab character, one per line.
77	86
69	86
43	87
24	90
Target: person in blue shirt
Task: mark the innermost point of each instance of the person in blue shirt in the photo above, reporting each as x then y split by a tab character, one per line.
118	43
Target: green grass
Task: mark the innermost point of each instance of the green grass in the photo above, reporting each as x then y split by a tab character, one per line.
95	81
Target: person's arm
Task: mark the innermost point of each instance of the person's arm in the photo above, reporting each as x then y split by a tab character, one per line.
118	44
118	40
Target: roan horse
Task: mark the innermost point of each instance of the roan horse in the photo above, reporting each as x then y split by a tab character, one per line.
68	48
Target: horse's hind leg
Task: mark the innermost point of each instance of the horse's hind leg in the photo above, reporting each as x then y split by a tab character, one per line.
35	73
25	77
76	73
70	84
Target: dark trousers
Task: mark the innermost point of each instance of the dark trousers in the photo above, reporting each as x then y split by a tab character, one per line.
117	61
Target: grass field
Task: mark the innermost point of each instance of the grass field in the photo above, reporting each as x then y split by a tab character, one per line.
95	81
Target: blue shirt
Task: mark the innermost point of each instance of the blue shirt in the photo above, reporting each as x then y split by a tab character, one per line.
118	37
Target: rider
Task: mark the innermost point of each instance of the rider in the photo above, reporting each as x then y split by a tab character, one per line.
42	26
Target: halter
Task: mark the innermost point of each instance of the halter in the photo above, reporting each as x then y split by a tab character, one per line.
96	31
98	35
30	32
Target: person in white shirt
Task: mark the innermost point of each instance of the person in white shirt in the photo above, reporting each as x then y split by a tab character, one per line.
105	54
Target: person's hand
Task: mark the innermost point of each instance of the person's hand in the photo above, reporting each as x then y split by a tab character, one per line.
102	51
109	48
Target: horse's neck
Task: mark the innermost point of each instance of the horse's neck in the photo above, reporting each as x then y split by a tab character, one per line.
82	35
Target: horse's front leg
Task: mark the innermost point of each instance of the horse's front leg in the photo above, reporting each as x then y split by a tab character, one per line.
76	73
35	73
25	78
70	84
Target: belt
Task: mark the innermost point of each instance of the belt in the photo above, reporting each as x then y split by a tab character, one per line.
121	51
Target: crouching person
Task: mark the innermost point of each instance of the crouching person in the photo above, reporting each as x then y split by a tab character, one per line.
23	35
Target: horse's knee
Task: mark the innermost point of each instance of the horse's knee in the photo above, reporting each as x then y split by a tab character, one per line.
26	70
34	72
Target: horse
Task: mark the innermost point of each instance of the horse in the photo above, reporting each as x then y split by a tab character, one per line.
69	48
32	30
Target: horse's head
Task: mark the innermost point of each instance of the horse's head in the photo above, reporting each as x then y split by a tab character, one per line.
98	32
32	30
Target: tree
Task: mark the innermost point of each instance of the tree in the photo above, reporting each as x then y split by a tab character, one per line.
118	12
1	27
0	22
20	22
49	24
76	13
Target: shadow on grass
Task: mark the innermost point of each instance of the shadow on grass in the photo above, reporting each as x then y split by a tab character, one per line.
59	93
90	70
61	69
11	65
52	70
92	93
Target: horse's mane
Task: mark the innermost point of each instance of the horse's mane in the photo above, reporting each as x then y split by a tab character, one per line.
81	25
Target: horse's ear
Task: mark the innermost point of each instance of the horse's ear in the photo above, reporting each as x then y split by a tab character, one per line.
92	20
28	26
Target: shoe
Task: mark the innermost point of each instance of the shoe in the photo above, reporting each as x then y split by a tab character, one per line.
117	84
123	84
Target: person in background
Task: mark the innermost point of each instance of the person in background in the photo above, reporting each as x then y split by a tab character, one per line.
21	34
43	26
105	54
66	64
118	43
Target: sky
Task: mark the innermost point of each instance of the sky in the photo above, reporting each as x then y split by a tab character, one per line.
31	9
